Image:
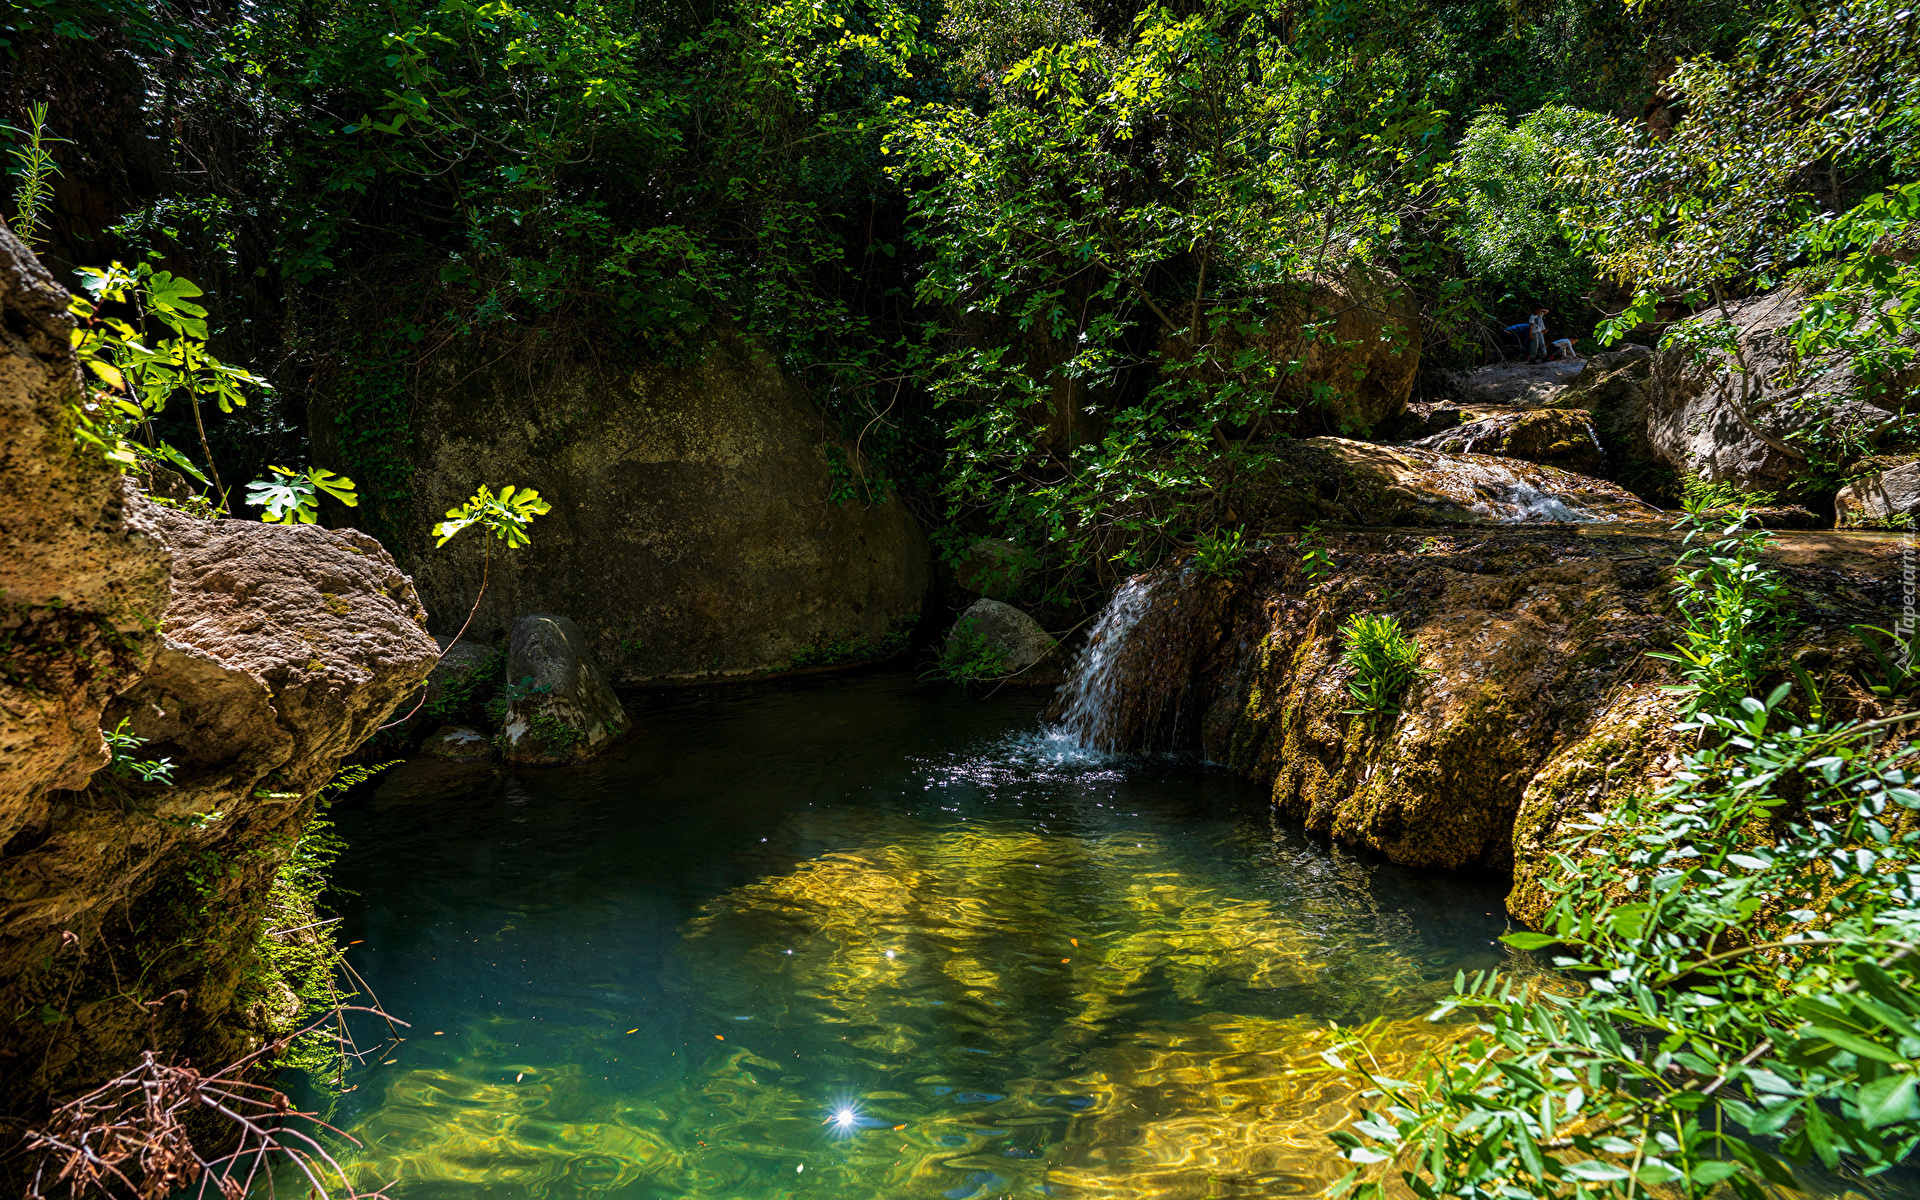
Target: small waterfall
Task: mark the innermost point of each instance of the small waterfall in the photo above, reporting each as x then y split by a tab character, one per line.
1089	699
1509	500
1596	439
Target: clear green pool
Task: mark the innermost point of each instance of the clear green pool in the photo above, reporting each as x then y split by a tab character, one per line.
866	938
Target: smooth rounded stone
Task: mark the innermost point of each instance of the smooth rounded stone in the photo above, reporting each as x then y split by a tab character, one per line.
993	567
1883	498
561	708
1022	644
458	743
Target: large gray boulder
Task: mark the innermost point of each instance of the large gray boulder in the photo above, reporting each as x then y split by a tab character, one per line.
561	708
707	522
1016	637
1708	417
1885	498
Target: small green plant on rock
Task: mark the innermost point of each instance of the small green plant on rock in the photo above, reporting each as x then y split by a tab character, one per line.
968	657
293	497
121	746
510	695
1315	563
1384	660
36	168
1220	555
1730	610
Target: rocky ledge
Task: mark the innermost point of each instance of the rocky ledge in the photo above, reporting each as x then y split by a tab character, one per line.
1537	698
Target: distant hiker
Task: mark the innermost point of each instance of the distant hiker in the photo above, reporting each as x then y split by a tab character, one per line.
1537	335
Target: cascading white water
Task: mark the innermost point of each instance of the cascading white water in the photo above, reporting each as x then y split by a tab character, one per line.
1086	718
1510	500
1596	438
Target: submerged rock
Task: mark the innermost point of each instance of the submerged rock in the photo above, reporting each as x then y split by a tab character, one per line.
458	743
1530	642
561	709
1884	499
1025	649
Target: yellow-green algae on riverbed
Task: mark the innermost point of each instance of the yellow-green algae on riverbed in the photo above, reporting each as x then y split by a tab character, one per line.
987	966
872	940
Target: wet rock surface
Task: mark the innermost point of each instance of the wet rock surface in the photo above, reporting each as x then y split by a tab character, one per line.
1337	481
1554	436
561	709
1536	687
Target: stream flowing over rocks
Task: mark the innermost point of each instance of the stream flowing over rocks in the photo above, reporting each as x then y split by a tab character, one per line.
1537	701
249	657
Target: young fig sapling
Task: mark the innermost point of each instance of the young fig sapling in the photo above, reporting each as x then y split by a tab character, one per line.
506	517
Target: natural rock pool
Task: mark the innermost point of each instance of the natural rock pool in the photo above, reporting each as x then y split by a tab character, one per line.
870	938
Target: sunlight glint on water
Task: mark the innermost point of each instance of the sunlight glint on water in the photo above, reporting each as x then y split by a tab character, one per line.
967	960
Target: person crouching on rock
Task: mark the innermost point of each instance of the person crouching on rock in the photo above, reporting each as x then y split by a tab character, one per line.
1537	335
1563	350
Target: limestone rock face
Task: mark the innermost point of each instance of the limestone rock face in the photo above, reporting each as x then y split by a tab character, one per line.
1018	638
1537	703
1884	498
697	530
1709	419
283	648
83	584
1336	481
562	709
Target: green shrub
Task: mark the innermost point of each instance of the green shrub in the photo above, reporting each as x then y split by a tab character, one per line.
1704	495
967	657
856	650
1315	563
471	691
1730	612
1384	661
1748	942
1220	555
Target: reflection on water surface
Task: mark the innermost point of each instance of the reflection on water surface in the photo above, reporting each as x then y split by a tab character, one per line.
868	939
